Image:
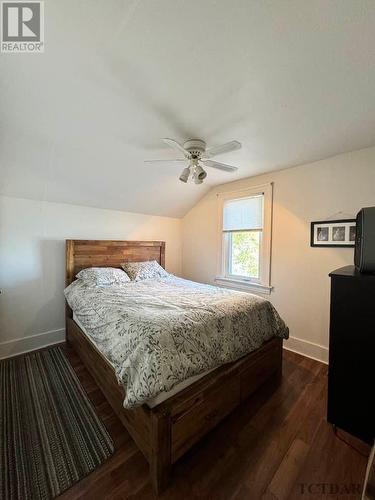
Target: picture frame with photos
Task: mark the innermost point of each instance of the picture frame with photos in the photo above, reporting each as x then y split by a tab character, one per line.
333	233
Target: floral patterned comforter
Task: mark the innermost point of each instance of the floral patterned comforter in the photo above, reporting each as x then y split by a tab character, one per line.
158	333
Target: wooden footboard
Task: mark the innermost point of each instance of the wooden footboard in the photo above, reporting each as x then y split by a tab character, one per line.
165	432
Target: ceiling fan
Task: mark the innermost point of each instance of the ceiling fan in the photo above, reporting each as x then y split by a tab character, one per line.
196	153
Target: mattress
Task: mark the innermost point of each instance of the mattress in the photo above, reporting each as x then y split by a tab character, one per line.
163	334
163	396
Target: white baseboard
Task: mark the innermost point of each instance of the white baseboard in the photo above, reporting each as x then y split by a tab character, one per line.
14	347
308	349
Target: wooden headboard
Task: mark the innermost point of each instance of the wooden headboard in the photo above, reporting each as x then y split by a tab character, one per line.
108	253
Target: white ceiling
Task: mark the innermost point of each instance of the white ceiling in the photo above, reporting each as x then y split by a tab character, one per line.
294	81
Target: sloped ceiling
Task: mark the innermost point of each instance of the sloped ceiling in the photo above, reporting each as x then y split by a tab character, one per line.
294	81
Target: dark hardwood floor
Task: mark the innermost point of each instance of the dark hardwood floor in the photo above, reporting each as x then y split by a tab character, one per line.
277	445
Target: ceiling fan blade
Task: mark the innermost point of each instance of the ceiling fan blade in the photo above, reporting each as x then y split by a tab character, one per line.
174	144
224	148
219	166
165	161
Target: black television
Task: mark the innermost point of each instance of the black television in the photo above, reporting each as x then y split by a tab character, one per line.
364	252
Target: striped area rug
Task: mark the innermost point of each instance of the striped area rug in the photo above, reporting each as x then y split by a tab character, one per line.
50	434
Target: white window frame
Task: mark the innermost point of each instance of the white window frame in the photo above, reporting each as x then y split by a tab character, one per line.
263	284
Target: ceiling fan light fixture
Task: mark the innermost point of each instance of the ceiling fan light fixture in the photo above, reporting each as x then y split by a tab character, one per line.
196	153
200	173
185	174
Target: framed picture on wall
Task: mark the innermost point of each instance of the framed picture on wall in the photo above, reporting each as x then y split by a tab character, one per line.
333	233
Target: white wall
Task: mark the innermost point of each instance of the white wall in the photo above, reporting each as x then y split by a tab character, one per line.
32	238
299	273
32	261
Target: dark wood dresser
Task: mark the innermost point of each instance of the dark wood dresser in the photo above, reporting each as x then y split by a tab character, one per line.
351	379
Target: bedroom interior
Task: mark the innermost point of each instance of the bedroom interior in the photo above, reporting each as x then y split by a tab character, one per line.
187	244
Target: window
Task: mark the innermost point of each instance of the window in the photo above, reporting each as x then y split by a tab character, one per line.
242	234
245	235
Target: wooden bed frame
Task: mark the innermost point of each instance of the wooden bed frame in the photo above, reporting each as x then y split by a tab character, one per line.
165	432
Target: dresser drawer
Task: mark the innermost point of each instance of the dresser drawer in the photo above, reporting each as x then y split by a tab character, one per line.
205	412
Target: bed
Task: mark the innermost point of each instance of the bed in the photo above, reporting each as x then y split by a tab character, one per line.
165	428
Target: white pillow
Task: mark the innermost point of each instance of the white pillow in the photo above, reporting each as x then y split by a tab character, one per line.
148	270
103	276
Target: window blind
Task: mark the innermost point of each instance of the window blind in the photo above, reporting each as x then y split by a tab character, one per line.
243	214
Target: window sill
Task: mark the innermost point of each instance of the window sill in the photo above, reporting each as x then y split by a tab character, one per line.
243	285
